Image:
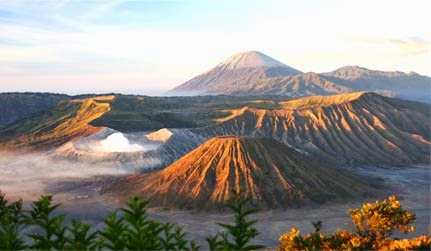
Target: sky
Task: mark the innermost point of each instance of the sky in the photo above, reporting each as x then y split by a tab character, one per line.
148	47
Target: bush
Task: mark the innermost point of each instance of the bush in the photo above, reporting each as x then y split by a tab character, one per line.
130	228
125	229
237	235
375	223
11	224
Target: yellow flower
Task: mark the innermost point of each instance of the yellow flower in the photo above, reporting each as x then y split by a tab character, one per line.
355	241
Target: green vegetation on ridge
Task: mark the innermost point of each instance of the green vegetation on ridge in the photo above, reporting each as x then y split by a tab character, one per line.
16	106
143	113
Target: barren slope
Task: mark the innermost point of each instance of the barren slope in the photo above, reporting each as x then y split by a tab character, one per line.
254	73
236	74
269	172
358	128
301	85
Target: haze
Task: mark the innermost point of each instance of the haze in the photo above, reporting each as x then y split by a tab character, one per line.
30	175
149	47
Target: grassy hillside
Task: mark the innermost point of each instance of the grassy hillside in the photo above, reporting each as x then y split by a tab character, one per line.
16	106
66	121
142	113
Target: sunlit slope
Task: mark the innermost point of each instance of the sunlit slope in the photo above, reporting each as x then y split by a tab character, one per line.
271	173
65	122
125	113
356	128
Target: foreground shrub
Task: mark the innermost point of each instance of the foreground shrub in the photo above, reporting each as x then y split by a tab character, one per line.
375	223
130	228
11	224
238	235
125	229
133	230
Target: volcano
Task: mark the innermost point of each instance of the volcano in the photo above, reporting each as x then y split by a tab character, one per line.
237	73
353	129
272	174
254	73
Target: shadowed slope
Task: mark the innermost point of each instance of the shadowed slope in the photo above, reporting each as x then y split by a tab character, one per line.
270	173
65	122
16	106
357	128
300	85
390	83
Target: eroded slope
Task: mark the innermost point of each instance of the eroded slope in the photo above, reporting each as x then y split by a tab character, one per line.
358	128
272	174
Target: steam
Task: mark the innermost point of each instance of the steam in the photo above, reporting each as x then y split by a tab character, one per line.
88	160
117	142
114	142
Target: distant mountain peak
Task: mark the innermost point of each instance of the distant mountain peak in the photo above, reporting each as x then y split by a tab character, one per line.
241	70
354	67
254	73
250	59
354	72
351	71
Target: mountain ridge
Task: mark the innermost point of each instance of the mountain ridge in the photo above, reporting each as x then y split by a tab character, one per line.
67	121
344	130
355	129
16	105
275	79
355	71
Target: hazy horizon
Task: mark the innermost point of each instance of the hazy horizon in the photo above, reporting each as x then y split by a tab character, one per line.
149	47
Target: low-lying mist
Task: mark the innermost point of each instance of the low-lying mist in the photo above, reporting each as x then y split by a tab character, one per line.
31	175
109	154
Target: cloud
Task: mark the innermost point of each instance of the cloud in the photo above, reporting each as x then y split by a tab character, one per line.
148	48
411	45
